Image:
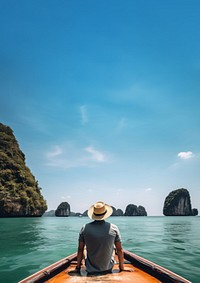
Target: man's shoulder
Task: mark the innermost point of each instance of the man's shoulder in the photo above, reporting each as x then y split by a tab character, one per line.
114	225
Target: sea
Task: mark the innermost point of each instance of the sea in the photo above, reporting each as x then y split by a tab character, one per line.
29	244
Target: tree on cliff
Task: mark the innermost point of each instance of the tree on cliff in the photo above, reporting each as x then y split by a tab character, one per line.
20	194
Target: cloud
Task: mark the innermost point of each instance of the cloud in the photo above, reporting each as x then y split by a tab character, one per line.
55	152
70	156
95	154
185	154
84	114
148	189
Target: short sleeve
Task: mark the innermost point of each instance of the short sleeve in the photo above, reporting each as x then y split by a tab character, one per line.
81	235
117	233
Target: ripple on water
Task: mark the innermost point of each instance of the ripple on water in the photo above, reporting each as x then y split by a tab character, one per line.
28	245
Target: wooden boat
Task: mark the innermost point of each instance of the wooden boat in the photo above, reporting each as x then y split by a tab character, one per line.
142	271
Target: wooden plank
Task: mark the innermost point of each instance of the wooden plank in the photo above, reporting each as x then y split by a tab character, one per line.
143	271
136	276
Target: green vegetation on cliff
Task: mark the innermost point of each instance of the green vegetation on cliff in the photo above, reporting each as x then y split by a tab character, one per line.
20	194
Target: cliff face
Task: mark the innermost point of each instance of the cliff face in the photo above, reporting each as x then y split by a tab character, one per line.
50	213
133	210
20	194
63	210
178	203
117	212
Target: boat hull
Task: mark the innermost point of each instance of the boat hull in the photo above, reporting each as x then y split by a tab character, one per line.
140	271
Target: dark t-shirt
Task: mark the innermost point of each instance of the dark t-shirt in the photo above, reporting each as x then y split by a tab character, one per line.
99	238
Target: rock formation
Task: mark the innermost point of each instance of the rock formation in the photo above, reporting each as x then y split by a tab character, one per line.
63	210
117	212
141	211
20	194
50	213
194	212
133	210
85	213
178	203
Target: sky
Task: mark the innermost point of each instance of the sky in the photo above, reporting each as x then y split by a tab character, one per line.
103	98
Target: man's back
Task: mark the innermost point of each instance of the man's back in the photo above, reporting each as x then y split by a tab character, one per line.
99	238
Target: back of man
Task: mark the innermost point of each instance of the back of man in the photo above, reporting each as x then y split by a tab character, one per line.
99	238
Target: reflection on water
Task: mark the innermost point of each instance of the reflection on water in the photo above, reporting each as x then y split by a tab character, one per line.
172	242
29	244
20	239
181	242
19	232
178	232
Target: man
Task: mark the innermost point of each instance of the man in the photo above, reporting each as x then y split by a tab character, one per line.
99	237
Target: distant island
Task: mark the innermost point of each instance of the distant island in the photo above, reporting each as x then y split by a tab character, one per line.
178	203
20	194
63	210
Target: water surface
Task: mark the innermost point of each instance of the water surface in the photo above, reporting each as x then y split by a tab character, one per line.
29	244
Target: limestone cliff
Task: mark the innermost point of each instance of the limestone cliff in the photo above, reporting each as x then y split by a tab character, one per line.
133	210
178	203
20	194
50	213
194	211
63	210
117	212
85	213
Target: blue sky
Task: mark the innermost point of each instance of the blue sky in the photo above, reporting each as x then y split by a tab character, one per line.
103	98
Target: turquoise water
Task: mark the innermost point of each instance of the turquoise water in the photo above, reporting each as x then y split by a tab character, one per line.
29	244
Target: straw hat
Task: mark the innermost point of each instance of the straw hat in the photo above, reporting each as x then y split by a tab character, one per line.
100	211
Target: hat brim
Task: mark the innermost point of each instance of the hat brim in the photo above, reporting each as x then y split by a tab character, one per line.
108	213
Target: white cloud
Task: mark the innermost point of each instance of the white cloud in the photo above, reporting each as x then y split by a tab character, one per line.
185	154
70	156
55	152
148	189
95	154
84	114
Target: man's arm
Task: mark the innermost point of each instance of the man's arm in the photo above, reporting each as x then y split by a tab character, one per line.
120	254
80	255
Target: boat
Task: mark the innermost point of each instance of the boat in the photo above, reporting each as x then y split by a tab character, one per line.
140	270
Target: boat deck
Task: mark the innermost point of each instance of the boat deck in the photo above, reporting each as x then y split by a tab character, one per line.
135	276
138	270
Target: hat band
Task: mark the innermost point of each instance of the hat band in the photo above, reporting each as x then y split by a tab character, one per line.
99	214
